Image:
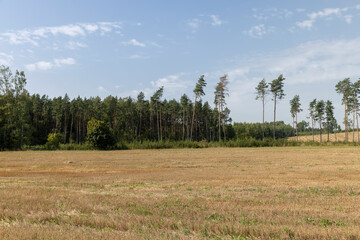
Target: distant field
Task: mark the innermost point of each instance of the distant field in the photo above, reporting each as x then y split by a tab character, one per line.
217	193
332	138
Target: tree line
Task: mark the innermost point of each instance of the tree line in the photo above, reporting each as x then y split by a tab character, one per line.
28	119
320	111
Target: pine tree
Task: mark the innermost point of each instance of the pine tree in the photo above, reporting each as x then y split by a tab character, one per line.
261	92
276	88
199	92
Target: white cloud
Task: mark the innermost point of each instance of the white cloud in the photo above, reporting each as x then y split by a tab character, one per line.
45	65
266	14
174	85
135	43
311	70
328	14
258	31
6	59
309	62
138	56
64	61
102	89
32	36
348	18
215	20
305	24
73	45
194	24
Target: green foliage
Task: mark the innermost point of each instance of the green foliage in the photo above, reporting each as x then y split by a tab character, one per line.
199	88
295	105
99	135
262	89
277	87
53	141
254	130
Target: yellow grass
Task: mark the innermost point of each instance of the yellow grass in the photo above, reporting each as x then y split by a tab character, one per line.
237	193
332	138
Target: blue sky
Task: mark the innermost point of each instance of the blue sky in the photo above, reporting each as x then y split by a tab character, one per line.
91	48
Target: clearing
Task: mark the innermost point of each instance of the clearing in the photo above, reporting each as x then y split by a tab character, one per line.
217	193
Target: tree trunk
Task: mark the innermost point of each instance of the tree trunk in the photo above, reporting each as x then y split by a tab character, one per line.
161	135
357	122
71	126
223	122
140	126
183	125
187	126
65	127
320	131
328	132
219	123
274	117
353	127
346	122
263	117
296	125
157	124
312	128
192	122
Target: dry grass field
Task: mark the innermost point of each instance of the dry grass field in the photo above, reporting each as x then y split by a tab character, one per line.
218	193
332	137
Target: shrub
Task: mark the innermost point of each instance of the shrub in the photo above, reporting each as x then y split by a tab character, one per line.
53	141
99	135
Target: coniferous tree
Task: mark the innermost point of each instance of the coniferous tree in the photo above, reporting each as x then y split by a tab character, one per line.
261	92
344	87
356	92
312	115
276	88
330	119
295	109
319	114
221	91
199	92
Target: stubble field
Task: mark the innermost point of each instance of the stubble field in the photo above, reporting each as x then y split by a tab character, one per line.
217	193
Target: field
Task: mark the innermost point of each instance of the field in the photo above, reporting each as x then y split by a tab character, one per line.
217	193
332	137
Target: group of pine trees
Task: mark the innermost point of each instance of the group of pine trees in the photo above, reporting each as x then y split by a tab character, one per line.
320	112
27	119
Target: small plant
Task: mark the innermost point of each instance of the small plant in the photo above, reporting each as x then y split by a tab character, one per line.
215	216
289	232
53	141
99	135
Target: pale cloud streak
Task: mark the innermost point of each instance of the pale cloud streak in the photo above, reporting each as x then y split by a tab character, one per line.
258	31
269	13
195	23
74	45
327	13
215	20
47	65
32	36
134	42
6	59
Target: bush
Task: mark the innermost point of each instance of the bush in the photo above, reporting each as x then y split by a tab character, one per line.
53	141
99	135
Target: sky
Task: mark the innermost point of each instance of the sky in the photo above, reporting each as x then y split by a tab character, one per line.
99	48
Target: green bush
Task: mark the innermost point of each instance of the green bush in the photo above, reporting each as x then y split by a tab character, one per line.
53	141
99	135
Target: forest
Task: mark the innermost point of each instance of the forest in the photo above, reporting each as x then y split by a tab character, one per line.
31	120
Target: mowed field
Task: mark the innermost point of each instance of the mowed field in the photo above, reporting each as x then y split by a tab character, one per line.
332	137
217	193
